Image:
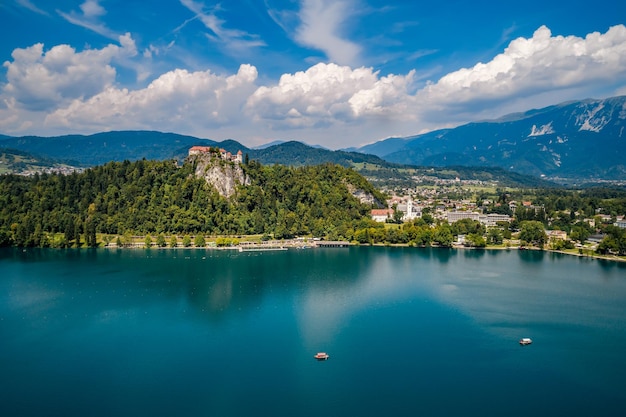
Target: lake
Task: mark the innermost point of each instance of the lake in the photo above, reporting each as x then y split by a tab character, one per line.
410	332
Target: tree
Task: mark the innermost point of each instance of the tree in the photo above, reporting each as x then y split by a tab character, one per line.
148	241
160	241
397	214
475	240
466	226
494	236
424	236
428	218
77	241
614	242
173	241
580	232
70	229
5	237
127	238
90	233
186	241
443	235
199	241
532	231
362	236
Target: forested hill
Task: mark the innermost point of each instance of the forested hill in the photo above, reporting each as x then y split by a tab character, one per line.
153	197
100	148
298	154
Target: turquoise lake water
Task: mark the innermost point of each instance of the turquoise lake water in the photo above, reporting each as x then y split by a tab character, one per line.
410	332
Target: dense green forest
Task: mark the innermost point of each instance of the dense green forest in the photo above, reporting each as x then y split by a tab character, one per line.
150	197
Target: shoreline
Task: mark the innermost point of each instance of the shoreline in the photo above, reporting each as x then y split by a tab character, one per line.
311	245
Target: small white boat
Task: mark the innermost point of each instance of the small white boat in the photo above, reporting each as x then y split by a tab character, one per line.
525	341
321	356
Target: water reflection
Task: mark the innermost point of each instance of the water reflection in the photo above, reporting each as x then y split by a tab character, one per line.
207	283
473	253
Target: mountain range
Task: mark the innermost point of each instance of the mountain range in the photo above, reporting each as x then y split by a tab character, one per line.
583	139
103	147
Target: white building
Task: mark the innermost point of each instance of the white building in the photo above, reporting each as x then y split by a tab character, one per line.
454	216
493	218
410	210
381	215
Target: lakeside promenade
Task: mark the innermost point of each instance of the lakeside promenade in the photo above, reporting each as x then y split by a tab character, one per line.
259	246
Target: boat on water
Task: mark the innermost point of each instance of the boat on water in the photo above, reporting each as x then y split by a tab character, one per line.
321	356
525	341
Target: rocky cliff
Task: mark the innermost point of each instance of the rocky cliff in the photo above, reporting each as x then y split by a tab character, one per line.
223	175
365	197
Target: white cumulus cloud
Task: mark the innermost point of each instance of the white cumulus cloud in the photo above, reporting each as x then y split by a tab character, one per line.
178	100
532	67
328	93
42	80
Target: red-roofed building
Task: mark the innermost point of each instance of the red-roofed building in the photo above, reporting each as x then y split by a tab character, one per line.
197	150
381	215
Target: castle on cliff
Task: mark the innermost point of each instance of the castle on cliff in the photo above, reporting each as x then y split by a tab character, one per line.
222	153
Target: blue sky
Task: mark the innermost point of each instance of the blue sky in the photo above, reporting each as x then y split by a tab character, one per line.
338	73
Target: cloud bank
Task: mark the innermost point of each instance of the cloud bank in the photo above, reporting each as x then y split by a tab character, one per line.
63	90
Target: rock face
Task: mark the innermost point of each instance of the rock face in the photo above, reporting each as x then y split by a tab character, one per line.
223	175
363	196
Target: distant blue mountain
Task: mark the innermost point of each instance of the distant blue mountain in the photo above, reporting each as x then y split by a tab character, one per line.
385	146
581	139
267	145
